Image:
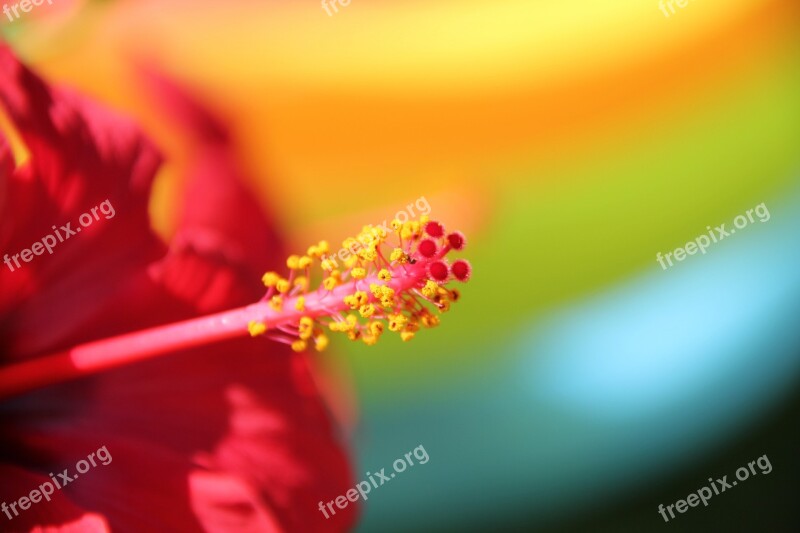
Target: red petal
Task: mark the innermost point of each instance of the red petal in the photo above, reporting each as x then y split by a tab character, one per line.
183	430
80	156
59	514
225	436
225	240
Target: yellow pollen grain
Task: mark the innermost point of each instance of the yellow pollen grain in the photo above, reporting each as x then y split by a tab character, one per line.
256	328
283	286
321	342
293	261
299	345
270	279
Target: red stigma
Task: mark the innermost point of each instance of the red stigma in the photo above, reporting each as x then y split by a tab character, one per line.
427	248
434	229
438	271
456	240
461	270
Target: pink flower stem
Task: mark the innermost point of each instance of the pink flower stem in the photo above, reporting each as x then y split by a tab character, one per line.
105	354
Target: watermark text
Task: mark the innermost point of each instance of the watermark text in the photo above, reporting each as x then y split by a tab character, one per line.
59	235
719	486
702	242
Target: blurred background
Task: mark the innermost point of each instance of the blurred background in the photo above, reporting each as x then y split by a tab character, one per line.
577	385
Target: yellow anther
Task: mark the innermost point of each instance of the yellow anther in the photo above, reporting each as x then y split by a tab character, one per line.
256	328
300	304
387	292
379	232
372	236
321	342
361	298
399	255
304	262
293	261
367	254
424	219
370	340
350	244
396	322
396	225
406	335
328	264
301	282
376	290
351	261
332	281
299	345
412	325
375	328
348	324
350	301
387	297
305	328
430	289
270	279
384	275
353	334
313	251
323	247
410	230
366	238
276	302
283	286
444	306
356	300
367	311
358	273
429	321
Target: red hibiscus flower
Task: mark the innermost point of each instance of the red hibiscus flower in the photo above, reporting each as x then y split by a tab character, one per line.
220	436
226	434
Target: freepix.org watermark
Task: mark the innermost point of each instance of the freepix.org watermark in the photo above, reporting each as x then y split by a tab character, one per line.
364	487
719	486
49	242
403	216
671	5
719	233
46	489
328	4
25	6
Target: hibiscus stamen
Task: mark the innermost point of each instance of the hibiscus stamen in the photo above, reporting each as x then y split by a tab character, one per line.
389	281
361	288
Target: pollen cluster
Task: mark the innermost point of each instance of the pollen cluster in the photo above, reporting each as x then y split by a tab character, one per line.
383	279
